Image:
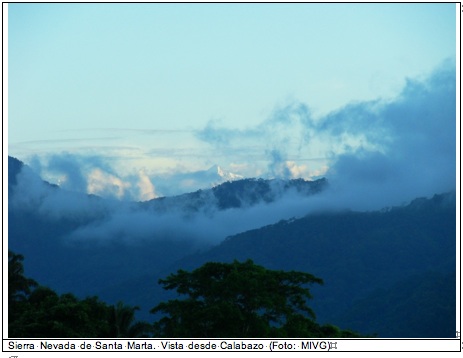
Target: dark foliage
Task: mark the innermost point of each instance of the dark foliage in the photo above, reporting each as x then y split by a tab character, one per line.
357	253
39	312
240	300
425	305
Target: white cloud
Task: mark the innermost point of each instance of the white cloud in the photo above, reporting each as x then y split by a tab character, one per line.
105	184
415	132
145	187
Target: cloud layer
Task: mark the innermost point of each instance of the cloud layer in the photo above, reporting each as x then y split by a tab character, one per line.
413	133
374	154
384	151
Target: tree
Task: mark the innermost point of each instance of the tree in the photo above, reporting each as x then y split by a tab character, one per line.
19	286
122	323
39	312
239	300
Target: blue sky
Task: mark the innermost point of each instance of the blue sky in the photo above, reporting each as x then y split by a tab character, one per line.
143	92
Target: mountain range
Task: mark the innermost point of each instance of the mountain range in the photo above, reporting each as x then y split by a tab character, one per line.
389	272
236	194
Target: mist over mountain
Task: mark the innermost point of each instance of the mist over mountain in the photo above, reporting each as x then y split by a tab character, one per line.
87	245
71	228
204	216
243	193
388	272
374	154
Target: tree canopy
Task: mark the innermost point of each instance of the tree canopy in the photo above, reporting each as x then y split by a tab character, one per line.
36	311
240	300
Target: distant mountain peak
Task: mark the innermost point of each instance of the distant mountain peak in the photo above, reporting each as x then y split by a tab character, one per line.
223	174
